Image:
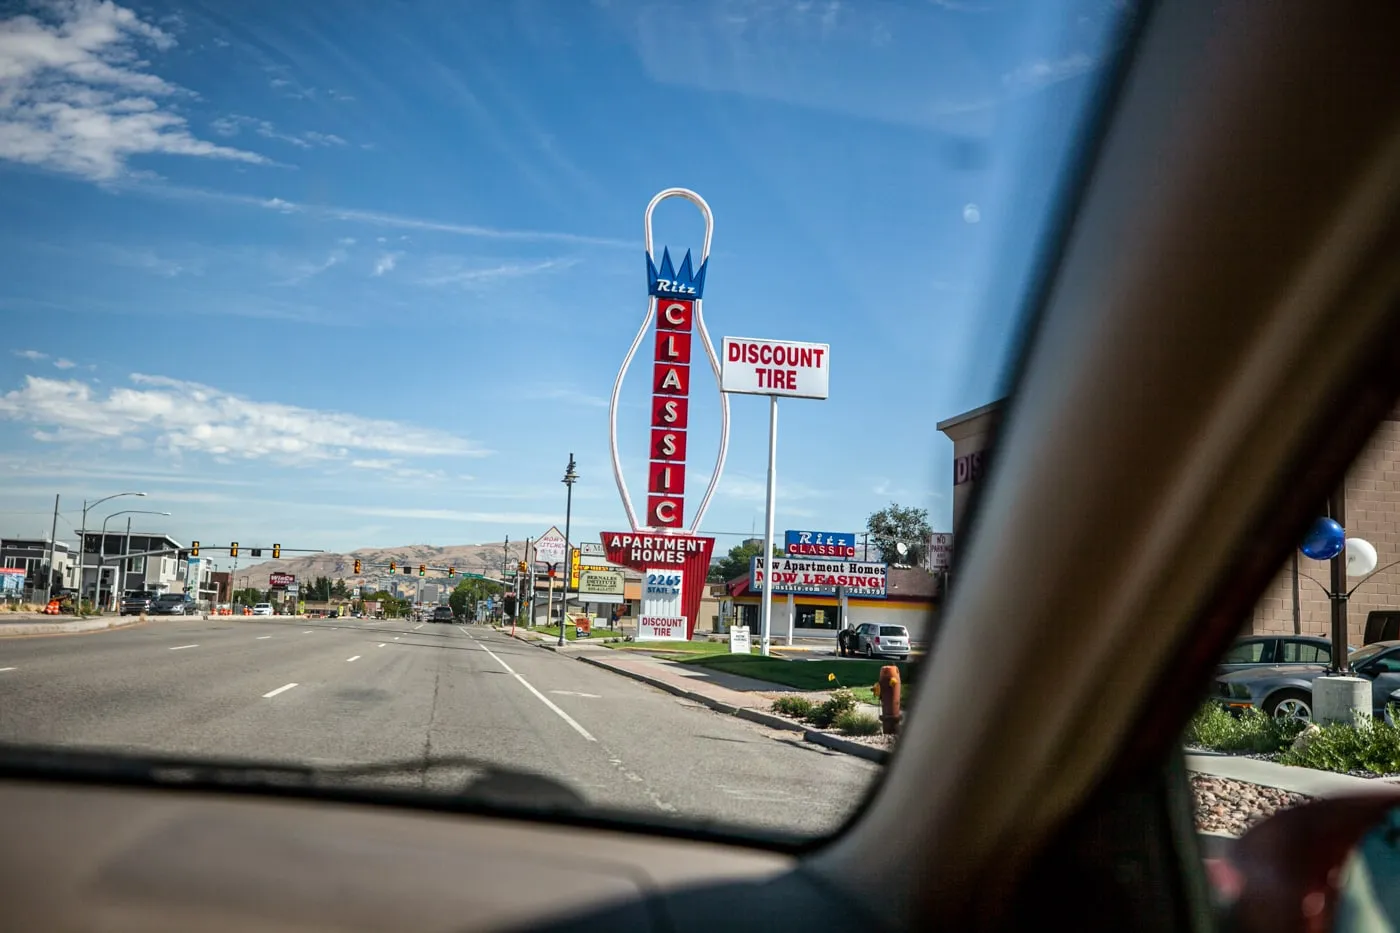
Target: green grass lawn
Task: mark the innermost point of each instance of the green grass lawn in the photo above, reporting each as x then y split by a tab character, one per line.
858	675
598	633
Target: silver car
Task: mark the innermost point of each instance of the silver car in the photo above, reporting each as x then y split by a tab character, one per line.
878	640
1286	692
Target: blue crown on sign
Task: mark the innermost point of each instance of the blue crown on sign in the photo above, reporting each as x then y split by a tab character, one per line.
669	282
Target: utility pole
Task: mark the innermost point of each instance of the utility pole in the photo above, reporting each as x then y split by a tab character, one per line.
1337	511
53	551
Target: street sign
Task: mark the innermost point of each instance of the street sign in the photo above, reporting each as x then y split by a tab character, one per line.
940	551
551	548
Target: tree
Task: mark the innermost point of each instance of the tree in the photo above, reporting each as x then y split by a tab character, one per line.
340	590
736	562
897	525
248	596
464	596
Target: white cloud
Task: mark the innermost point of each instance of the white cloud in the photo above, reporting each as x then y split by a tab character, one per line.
34	355
179	416
1042	71
233	124
76	97
452	515
565	394
64	364
456	274
749	489
306	270
386	263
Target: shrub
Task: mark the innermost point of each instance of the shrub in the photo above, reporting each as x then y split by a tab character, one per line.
1370	745
796	707
841	701
1252	731
854	723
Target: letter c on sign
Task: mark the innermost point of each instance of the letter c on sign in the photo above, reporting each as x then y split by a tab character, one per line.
666	511
674	314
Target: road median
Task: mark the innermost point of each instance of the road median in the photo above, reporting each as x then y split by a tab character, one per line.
19	629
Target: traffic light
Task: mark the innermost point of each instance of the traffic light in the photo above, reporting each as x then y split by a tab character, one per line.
357	565
422	570
393	566
233	550
194	548
276	551
522	566
452	571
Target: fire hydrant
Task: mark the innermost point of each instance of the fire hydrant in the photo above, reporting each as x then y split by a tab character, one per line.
887	689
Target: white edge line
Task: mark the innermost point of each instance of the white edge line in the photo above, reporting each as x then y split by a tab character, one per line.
282	689
183	647
3	669
261	637
542	698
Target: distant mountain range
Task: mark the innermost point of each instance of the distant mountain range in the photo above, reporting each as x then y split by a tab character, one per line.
488	559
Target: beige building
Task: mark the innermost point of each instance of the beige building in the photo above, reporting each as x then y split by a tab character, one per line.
971	433
1373	513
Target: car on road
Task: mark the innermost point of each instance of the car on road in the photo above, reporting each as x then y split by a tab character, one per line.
443	614
262	609
138	602
875	640
172	604
1285	692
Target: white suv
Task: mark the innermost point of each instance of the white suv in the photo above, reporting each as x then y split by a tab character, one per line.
262	609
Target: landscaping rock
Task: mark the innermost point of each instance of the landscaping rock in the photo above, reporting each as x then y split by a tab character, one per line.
1228	806
1305	738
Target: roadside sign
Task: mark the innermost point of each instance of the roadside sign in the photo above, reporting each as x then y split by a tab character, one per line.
828	544
551	548
739	640
752	366
592	549
940	551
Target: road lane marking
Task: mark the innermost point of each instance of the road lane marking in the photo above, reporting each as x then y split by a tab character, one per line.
542	698
575	693
355	658
418	626
3	669
382	644
308	631
396	638
261	637
183	647
282	689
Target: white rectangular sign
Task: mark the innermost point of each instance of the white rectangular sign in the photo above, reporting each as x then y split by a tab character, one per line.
940	551
739	640
822	577
661	628
600	583
752	366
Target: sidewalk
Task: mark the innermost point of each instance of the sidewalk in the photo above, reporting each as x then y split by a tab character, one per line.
725	693
25	625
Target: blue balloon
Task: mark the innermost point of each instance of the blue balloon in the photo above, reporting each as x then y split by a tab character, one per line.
1324	540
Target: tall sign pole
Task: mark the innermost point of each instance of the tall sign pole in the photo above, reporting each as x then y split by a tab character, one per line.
773	368
674	561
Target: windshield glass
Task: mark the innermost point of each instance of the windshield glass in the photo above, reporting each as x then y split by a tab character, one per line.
322	313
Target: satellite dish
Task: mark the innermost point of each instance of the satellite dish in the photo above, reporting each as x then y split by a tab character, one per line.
1361	557
902	548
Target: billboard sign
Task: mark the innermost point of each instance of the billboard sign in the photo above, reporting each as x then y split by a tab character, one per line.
11	582
839	545
280	581
775	367
600	583
551	548
686	557
864	579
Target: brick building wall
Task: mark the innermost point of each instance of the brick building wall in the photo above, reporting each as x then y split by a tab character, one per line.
1373	513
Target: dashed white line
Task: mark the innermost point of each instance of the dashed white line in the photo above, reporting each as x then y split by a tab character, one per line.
396	638
261	637
282	689
183	647
355	658
542	698
418	626
4	669
382	644
308	631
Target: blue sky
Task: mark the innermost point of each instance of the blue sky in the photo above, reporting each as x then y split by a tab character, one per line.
361	274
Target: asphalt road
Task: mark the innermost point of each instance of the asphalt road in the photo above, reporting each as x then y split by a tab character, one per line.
350	691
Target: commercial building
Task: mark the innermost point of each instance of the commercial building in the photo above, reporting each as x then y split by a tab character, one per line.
32	556
105	557
910	600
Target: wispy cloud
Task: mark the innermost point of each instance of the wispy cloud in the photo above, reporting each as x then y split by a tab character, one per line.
76	96
179	416
308	270
34	355
234	124
64	364
750	489
565	394
469	275
452	515
386	262
372	218
1042	71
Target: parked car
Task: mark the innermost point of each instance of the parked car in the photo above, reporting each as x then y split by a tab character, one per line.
875	639
172	604
443	614
262	609
133	604
1285	692
1275	650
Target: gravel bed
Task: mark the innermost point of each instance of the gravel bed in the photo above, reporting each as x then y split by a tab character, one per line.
1228	806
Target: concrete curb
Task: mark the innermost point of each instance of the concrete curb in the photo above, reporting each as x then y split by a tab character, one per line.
1306	781
68	628
836	743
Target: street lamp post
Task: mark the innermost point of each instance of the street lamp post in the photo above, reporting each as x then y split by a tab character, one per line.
82	539
102	546
570	477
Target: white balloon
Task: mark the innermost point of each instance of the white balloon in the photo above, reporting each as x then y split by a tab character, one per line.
1361	557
